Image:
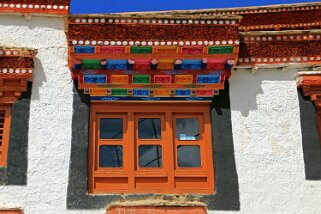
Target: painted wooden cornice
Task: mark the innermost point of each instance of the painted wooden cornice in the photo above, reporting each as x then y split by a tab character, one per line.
152	56
35	7
310	82
16	68
274	17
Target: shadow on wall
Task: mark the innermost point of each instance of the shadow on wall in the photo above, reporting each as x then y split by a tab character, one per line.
248	85
16	171
226	179
310	138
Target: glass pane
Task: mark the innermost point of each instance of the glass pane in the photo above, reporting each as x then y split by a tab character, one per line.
187	129
110	156
188	156
111	128
150	156
149	128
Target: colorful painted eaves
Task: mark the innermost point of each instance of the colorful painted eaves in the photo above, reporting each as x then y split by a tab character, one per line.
152	57
275	35
16	68
36	7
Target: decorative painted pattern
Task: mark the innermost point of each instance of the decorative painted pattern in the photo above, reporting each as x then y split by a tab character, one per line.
281	60
16	71
293	37
15	52
154	21
83	46
276	17
241	11
151	59
140	32
38	7
16	62
16	67
280	49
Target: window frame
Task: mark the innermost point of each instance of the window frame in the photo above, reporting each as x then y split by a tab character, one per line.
169	170
200	142
5	135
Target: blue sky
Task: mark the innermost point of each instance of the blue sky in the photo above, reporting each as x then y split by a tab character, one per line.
116	6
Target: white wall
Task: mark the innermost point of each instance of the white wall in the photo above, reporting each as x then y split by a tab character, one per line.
50	115
265	120
268	144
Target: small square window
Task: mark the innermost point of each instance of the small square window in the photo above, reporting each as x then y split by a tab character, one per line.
111	128
150	156
111	156
188	156
187	129
149	128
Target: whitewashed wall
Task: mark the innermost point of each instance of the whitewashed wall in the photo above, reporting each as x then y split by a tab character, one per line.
50	115
268	144
265	120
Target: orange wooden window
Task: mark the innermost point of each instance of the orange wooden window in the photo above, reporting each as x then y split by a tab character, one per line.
150	147
5	117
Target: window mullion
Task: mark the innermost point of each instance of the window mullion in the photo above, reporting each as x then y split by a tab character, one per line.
131	151
170	149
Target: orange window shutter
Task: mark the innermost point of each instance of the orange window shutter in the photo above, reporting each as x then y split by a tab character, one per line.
5	119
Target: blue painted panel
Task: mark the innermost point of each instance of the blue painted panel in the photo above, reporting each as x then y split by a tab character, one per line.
95	79
191	64
84	49
183	92
140	92
208	79
117	64
191	61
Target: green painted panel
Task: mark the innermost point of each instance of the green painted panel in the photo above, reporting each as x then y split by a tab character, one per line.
220	49
141	50
119	92
141	79
91	64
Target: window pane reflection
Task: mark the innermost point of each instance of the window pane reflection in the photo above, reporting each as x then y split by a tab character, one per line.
150	156
149	128
188	156
187	129
110	156
111	128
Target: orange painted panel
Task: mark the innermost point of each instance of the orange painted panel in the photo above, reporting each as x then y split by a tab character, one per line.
162	92
98	91
151	183
111	183
191	183
119	79
184	79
